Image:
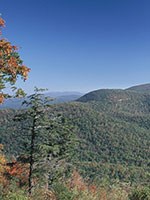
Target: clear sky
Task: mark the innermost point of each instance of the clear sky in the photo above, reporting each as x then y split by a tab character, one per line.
80	45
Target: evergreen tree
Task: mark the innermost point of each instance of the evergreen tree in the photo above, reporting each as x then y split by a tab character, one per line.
48	139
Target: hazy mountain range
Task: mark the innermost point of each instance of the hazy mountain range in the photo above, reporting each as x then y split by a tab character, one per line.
61	97
58	97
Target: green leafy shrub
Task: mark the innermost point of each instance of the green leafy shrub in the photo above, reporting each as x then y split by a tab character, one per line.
62	192
16	196
140	194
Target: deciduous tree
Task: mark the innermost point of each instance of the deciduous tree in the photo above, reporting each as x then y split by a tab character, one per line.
11	66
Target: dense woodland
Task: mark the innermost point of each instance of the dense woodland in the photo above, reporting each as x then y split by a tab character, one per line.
109	140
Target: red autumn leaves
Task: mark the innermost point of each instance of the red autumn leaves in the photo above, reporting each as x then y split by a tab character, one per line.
10	64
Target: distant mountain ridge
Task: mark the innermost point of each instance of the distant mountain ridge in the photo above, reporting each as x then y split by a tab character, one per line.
134	100
59	94
115	94
59	97
101	95
144	88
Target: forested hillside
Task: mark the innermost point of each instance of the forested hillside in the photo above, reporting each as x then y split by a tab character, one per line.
113	129
144	88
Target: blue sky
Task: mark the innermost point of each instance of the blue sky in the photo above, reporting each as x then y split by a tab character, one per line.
80	45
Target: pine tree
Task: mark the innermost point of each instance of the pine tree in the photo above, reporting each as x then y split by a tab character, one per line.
48	140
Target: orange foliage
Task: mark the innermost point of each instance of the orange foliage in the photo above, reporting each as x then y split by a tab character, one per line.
18	170
2	22
10	64
13	169
77	182
92	189
3	167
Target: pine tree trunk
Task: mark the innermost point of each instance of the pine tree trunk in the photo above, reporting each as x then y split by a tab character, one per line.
31	160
